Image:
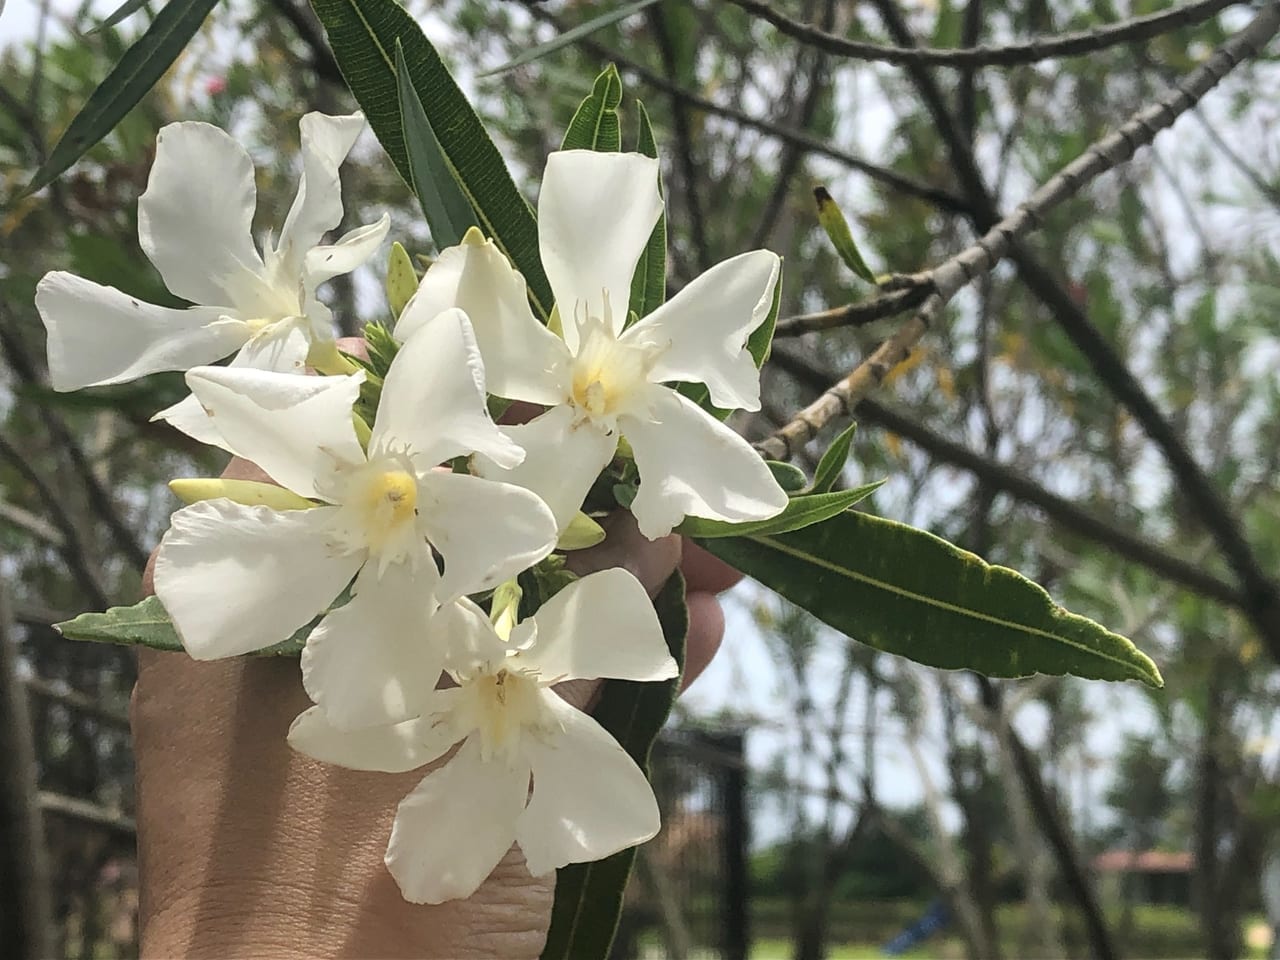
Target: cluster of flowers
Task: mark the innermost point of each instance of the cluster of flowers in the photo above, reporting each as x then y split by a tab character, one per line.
385	531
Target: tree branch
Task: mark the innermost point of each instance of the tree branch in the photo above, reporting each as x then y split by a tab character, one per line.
954	274
941	199
1074	44
1003	479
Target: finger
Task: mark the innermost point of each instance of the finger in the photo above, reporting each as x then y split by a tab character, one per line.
704	572
519	412
649	561
706	630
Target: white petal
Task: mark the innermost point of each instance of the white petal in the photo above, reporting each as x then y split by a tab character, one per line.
706	325
354	248
589	800
99	335
374	661
317	208
395	748
602	626
486	532
523	360
297	429
235	579
189	417
469	637
691	464
452	830
595	214
433	398
283	347
196	216
561	461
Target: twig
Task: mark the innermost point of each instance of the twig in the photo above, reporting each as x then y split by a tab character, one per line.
1001	478
854	314
71	549
309	32
35	525
74	700
1074	44
941	199
952	275
88	812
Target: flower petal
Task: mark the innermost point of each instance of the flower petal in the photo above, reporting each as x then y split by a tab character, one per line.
99	335
393	748
523	360
433	398
237	579
595	214
691	464
589	800
486	531
472	641
187	416
452	830
297	429
600	627
317	208
322	263
374	661
195	219
705	328
282	347
561	460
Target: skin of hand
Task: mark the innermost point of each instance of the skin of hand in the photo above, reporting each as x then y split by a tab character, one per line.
248	848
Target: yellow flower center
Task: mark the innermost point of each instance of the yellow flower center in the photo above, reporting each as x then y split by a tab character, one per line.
389	501
608	376
500	706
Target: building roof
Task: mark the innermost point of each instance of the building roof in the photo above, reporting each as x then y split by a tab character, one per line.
1144	861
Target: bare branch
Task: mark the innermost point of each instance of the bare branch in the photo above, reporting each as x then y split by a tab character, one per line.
855	314
941	199
954	274
1074	44
88	812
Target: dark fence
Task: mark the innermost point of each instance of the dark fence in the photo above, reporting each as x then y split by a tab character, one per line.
688	895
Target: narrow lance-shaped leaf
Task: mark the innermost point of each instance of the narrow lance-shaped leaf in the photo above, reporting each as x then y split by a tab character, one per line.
147	624
649	285
572	35
907	592
832	463
589	895
595	124
128	82
126	9
446	207
800	512
363	35
837	227
790	477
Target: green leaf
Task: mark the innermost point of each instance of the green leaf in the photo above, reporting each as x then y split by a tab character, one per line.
595	125
127	83
759	344
572	35
790	477
363	35
832	463
147	624
589	895
649	285
126	9
801	511
446	207
907	592
837	227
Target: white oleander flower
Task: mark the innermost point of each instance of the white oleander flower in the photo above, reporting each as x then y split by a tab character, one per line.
601	382
238	578
588	797
195	224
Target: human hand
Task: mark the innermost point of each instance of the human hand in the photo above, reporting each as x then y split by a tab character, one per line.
246	846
